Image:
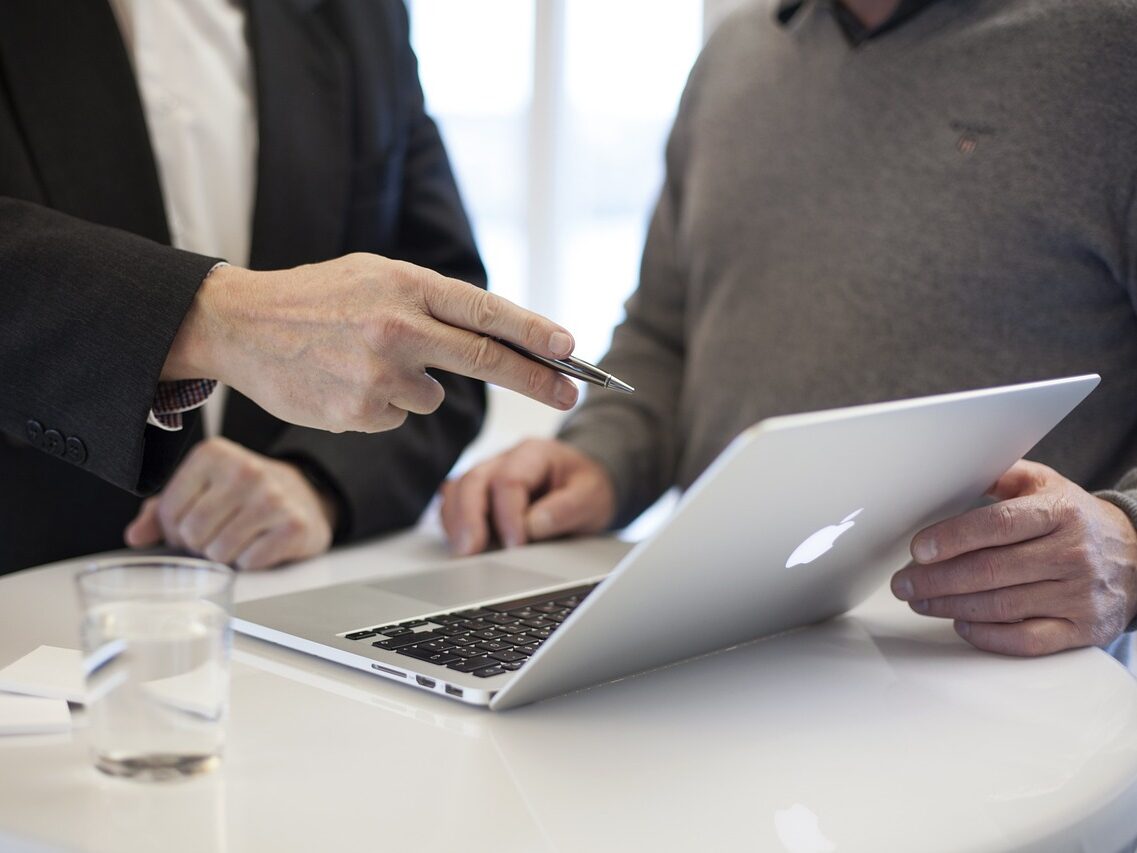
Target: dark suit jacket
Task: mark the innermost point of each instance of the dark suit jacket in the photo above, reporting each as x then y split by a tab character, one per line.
91	294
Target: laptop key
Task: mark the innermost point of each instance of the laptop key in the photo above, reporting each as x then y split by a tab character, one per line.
502	619
395	632
490	671
416	652
428	656
493	646
471	664
508	656
413	623
513	667
488	634
540	598
474	613
359	635
453	630
460	640
393	643
436	646
467	651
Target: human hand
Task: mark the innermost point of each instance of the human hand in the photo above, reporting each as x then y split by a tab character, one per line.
235	506
1048	567
345	344
540	489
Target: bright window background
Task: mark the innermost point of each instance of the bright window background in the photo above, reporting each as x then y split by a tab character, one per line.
555	116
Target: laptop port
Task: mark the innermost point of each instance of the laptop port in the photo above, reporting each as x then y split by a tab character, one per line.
424	681
453	691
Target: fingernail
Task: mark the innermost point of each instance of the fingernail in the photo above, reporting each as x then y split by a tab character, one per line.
920	606
963	628
560	344
512	540
902	589
924	550
565	394
464	543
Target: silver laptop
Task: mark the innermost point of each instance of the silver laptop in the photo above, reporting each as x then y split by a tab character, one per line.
798	520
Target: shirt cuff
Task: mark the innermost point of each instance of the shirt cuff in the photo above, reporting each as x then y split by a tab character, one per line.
173	398
183	395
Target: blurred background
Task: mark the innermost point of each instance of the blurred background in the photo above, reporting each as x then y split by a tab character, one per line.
555	115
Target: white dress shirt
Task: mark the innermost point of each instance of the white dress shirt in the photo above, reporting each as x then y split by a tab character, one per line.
194	74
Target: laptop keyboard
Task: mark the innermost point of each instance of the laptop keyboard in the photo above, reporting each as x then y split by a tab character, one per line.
485	641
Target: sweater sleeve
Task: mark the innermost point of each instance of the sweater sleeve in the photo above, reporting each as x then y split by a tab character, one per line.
1124	494
636	437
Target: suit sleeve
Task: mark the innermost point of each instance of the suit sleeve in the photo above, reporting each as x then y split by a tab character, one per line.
385	481
88	316
636	437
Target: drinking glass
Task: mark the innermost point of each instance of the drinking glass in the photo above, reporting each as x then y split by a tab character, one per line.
156	642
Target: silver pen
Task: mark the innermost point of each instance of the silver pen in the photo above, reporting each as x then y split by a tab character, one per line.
575	367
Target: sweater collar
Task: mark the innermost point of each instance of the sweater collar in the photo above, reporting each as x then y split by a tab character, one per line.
854	29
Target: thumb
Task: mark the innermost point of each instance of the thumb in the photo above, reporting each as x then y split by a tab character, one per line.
1022	478
146	529
572	508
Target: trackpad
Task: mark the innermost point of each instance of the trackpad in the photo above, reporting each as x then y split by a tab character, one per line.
467	584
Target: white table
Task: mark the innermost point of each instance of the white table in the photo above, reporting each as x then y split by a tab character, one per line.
880	731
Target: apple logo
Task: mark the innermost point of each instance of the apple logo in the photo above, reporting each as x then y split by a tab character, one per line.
821	541
799	832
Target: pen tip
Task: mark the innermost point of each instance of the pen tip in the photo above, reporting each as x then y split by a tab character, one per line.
620	386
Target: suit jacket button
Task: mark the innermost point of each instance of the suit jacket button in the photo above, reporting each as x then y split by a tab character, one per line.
76	451
53	442
34	432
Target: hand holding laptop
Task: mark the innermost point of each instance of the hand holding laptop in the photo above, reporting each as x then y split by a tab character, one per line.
1047	567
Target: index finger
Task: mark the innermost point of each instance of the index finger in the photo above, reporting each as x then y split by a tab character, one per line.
481	357
469	307
1003	523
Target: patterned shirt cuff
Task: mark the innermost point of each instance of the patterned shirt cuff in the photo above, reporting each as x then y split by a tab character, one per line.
173	398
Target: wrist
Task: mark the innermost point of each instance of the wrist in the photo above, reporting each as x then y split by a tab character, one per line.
199	349
331	501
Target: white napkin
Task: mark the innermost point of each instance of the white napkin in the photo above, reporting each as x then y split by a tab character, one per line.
30	715
49	672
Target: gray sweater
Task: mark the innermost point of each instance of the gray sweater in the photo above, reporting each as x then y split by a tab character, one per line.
949	206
